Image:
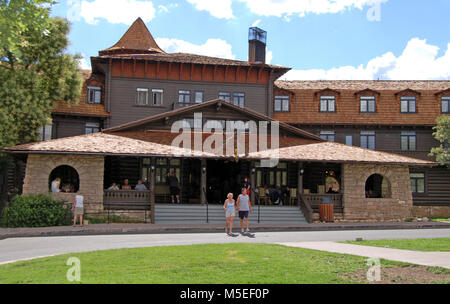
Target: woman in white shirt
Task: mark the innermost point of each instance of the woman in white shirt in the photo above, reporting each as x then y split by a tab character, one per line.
56	184
78	209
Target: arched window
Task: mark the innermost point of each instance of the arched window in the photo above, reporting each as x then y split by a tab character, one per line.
378	186
68	179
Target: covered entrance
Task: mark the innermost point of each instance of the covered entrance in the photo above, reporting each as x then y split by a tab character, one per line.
223	177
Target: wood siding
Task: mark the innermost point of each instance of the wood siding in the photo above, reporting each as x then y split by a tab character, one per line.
123	97
437	187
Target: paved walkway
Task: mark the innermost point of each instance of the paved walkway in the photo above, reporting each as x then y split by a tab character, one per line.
13	249
206	228
439	259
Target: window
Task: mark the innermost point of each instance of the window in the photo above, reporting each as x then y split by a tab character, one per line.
408	104
184	96
408	141
239	99
417	182
281	104
142	97
198	97
45	132
164	166
349	140
94	95
225	96
328	104
64	179
277	176
378	186
367	104
92	127
157	97
445	104
368	140
328	135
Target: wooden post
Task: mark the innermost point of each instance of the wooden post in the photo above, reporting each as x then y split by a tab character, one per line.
152	188
300	173
203	189
252	182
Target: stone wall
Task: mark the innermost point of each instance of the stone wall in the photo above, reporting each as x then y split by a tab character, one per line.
90	170
358	207
431	211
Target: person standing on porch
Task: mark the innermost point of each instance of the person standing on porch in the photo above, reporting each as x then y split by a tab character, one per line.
126	185
174	187
78	209
245	207
230	211
247	185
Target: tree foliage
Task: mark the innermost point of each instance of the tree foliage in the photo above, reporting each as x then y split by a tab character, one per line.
35	69
442	134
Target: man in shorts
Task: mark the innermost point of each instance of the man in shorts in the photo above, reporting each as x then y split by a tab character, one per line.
245	207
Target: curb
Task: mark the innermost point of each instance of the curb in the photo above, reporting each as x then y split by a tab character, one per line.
215	229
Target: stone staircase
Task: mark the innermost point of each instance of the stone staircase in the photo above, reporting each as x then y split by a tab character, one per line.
196	214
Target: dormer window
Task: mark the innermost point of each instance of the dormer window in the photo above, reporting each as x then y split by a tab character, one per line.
445	104
367	104
328	104
408	104
281	103
94	95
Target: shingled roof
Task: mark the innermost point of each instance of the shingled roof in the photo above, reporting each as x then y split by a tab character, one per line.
359	85
122	145
137	39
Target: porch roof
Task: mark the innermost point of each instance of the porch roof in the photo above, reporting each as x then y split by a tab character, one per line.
340	153
143	145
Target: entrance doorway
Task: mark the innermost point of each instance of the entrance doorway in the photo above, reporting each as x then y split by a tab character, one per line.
224	177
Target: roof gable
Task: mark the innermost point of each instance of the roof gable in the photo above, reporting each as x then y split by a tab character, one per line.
218	105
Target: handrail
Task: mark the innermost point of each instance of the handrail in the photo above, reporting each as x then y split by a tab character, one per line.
305	207
207	205
259	204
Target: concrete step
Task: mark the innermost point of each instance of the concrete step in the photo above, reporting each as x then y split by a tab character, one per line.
196	214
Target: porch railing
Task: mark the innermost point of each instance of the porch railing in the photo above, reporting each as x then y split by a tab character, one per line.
127	199
313	200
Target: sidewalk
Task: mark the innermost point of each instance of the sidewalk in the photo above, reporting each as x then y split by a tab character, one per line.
204	228
434	259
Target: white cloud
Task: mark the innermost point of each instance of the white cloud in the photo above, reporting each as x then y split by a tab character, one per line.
217	8
257	22
283	8
280	8
83	63
419	60
117	11
212	47
269	57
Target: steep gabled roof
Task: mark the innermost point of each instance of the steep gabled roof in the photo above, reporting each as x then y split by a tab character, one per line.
220	103
136	40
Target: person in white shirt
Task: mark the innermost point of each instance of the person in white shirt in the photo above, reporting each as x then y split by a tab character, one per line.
56	184
78	209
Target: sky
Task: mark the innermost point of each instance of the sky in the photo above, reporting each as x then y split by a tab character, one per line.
318	39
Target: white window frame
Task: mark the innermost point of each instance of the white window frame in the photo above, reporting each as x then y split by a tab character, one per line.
139	93
96	95
365	137
325	104
445	100
282	103
155	93
406	103
368	104
91	126
184	96
239	99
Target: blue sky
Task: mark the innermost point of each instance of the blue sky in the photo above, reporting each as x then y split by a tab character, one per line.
318	39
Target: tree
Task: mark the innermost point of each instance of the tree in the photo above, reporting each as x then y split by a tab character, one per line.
442	134
35	69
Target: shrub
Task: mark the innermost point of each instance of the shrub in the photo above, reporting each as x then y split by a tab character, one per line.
35	211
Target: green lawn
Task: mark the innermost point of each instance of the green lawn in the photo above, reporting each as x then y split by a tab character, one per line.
441	244
226	263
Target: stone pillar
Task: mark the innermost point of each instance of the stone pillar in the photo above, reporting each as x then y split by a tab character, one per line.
203	185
